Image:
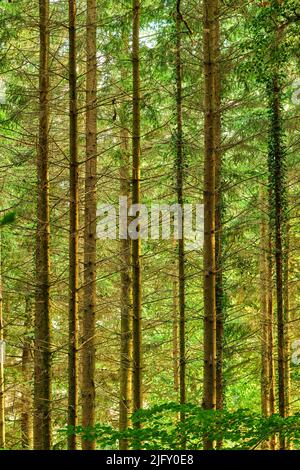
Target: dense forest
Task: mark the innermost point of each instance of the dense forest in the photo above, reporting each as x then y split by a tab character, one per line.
149	224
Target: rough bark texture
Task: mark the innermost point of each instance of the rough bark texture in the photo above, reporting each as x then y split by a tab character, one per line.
126	295
136	244
218	218
209	252
277	178
89	310
179	187
74	233
218	225
175	330
210	19
2	390
26	415
286	303
42	347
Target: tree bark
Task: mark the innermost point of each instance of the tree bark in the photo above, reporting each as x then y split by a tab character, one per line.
74	232
2	383
211	14
136	199
42	347
26	415
218	220
125	404
175	330
277	181
89	310
179	189
209	252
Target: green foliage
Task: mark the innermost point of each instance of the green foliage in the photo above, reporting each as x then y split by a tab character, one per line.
162	429
8	218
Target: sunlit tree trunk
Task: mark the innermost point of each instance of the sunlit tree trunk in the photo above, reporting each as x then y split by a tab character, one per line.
218	222
2	389
286	302
89	311
179	189
42	346
74	232
125	404
210	13
278	219
175	331
136	199
26	414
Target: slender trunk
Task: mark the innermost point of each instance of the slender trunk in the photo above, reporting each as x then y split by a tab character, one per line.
26	415
136	198
125	403
218	222
286	302
175	331
2	390
209	252
74	233
42	347
270	322
211	13
179	188
265	389
277	176
89	311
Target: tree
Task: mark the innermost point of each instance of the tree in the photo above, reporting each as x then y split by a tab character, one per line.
179	190
211	15
74	231
42	346
136	200
89	318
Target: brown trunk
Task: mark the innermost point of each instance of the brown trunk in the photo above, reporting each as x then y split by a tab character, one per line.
265	388
136	198
218	223
209	254
277	176
89	311
42	347
270	320
175	336
181	255
74	233
211	13
125	403
286	301
26	415
2	389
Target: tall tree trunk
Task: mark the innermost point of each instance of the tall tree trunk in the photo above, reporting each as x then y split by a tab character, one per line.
89	314
270	320
2	389
125	403
42	347
277	203
136	199
267	323
179	188
211	14
175	330
286	302
26	415
74	232
218	222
